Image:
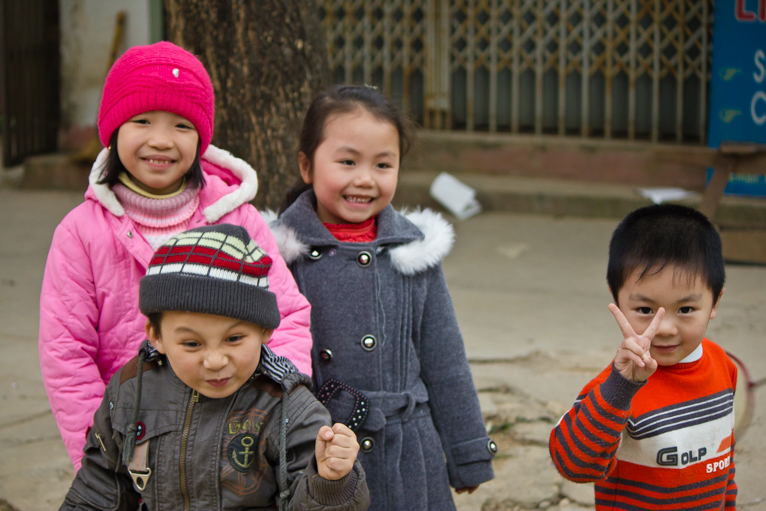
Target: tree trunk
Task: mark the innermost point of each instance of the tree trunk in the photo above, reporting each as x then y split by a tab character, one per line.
267	60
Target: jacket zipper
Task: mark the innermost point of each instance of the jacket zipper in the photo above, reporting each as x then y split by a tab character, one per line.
184	438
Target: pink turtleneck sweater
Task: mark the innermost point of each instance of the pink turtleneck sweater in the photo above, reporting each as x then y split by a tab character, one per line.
158	219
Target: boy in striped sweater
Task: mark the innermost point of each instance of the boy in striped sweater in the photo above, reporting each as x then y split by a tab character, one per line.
654	430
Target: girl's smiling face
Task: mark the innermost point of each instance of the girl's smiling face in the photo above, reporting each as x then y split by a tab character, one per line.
157	148
355	167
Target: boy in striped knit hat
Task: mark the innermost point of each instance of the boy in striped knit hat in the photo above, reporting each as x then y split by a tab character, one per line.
207	417
655	429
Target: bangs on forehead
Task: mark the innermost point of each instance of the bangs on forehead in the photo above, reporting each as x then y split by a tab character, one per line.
686	272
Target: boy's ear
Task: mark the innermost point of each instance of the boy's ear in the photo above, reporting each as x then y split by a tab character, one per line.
151	334
715	307
266	336
305	165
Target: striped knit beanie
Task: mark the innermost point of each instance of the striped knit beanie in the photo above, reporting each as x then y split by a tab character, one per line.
215	269
160	76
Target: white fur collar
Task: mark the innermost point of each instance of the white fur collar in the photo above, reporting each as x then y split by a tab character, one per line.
416	256
290	247
409	258
226	204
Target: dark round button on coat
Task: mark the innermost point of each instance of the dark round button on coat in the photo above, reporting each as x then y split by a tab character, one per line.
325	355
367	444
369	343
492	447
315	254
364	259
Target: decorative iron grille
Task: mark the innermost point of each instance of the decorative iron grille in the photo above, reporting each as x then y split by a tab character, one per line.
635	69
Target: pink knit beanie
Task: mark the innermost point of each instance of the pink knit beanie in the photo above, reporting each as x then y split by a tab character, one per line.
160	76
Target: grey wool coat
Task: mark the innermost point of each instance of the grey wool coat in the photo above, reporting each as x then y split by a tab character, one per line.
388	356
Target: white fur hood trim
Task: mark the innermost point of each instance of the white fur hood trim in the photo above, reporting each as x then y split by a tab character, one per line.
104	194
416	256
290	247
226	204
409	258
246	191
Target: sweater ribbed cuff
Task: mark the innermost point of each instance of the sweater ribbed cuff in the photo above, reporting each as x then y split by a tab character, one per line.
618	391
332	493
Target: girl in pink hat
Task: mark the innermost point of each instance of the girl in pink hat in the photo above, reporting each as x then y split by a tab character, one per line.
158	176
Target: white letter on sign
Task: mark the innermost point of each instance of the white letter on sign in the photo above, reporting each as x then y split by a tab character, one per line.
758	119
759	58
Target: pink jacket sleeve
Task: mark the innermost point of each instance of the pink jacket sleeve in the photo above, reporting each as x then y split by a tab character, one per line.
292	339
68	339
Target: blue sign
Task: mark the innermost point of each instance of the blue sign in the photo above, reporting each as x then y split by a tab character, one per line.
738	83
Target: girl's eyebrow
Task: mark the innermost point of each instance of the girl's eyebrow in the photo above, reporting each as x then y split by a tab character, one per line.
347	149
355	152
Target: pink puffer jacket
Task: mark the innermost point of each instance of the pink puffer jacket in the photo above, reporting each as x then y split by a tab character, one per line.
90	325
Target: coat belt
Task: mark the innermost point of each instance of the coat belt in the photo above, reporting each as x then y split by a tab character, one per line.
393	407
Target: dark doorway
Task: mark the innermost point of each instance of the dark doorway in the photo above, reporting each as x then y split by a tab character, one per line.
29	78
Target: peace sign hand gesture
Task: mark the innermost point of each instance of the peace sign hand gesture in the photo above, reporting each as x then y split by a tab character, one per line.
633	360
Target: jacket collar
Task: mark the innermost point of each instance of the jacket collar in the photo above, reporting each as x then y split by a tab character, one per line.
238	184
420	239
279	369
301	216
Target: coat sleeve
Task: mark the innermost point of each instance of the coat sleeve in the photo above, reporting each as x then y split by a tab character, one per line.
103	482
451	393
308	490
584	443
292	338
68	338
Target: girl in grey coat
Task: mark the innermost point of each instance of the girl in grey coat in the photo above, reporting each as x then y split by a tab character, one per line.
388	356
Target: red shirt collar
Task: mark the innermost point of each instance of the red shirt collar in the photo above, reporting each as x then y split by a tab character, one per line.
355	233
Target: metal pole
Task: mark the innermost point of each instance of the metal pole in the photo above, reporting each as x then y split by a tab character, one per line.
656	75
562	66
470	71
584	121
515	96
493	67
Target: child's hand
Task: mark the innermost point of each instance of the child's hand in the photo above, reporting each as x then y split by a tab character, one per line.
469	489
633	359
336	451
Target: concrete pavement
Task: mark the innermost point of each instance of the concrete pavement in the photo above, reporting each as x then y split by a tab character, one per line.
531	298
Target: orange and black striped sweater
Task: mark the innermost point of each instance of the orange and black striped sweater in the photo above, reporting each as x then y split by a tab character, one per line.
660	445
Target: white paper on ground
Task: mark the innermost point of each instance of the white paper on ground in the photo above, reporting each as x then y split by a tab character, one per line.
662	194
456	196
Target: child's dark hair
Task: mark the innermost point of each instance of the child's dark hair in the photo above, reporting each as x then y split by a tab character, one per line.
113	167
155	319
341	99
652	237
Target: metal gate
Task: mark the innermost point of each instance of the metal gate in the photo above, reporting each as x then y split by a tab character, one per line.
29	78
635	69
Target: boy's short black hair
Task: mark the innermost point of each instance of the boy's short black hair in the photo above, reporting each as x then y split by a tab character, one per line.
155	319
652	237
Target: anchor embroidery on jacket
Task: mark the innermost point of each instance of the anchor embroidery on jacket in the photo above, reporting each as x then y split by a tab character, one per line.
242	452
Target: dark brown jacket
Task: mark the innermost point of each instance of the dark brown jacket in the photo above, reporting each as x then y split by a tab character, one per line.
210	454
